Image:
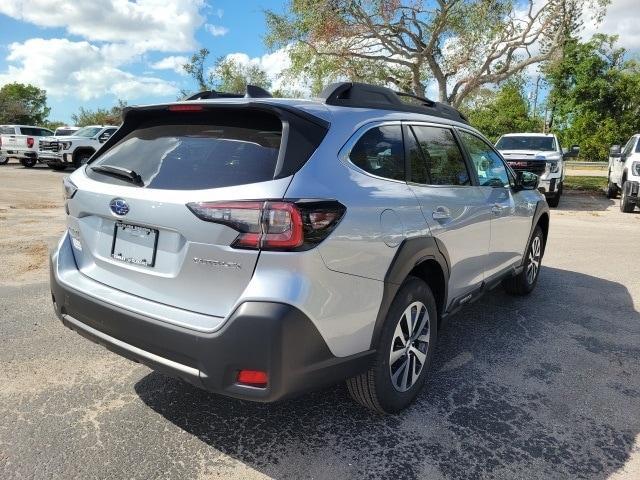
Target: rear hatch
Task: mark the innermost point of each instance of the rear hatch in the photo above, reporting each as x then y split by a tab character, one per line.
133	217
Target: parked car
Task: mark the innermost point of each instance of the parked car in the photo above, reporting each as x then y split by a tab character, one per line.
21	142
540	153
260	247
74	150
624	174
48	147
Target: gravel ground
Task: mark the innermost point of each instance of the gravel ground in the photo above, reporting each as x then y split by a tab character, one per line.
544	387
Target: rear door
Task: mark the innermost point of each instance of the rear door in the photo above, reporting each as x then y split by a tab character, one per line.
142	238
454	208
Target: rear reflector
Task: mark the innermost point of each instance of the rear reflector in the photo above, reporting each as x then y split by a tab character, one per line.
253	378
185	108
273	225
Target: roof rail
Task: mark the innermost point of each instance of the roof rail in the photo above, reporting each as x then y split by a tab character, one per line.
253	91
363	95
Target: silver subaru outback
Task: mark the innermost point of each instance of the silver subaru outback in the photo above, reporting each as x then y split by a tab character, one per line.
260	248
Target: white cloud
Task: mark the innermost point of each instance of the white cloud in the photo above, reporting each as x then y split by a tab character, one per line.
174	62
77	69
621	20
147	24
216	30
273	64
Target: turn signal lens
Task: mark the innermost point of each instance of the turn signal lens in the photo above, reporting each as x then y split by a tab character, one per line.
253	378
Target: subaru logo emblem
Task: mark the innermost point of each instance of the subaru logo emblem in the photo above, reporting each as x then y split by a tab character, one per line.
119	206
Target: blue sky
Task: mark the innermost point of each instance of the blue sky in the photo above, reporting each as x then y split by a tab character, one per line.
77	60
89	53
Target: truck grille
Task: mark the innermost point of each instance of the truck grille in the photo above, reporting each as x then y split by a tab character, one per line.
49	146
536	166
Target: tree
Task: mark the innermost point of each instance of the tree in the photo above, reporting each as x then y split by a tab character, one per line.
100	116
23	104
504	111
53	124
594	95
462	45
226	74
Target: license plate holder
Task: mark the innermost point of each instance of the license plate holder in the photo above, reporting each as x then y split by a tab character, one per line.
134	244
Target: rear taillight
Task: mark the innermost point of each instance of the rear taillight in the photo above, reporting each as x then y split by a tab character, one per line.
253	378
30	142
274	225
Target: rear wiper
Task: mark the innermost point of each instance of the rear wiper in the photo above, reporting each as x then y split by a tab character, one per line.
119	172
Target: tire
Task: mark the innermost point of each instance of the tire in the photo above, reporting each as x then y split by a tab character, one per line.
81	158
28	162
612	189
376	389
626	205
57	166
526	281
4	160
554	201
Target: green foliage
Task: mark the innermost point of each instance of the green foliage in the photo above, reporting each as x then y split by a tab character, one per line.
100	116
23	104
53	124
589	184
504	111
594	96
226	74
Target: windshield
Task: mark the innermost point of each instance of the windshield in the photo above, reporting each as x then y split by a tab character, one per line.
545	144
87	132
63	132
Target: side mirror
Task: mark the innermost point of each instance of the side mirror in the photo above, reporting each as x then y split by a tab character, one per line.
526	180
104	137
573	152
615	151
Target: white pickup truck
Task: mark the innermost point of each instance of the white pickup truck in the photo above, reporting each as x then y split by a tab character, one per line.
21	142
48	146
74	150
624	174
538	153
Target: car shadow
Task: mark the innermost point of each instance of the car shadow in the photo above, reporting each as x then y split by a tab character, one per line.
546	386
585	201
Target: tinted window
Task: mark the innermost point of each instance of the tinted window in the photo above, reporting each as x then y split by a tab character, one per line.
524	142
638	148
417	163
63	132
380	152
488	164
45	133
444	163
199	153
30	131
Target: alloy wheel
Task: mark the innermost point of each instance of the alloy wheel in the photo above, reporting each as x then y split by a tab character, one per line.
409	347
533	265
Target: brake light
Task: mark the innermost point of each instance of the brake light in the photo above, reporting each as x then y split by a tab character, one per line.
185	108
253	378
273	225
30	142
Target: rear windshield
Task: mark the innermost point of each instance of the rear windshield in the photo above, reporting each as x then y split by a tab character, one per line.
7	130
545	144
198	154
35	132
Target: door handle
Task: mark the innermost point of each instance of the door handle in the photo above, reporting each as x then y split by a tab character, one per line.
496	209
441	213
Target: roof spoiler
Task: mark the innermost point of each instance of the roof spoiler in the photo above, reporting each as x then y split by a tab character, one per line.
363	95
253	91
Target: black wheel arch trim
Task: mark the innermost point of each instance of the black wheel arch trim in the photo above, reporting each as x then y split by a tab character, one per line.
410	253
541	209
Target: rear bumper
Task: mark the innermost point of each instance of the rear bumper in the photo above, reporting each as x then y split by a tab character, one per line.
272	337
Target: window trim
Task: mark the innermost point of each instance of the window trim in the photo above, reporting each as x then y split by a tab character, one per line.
345	152
468	156
456	139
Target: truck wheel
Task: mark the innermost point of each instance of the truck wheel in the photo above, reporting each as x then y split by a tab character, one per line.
555	200
525	281
57	166
403	353
626	205
4	160
28	162
612	189
80	159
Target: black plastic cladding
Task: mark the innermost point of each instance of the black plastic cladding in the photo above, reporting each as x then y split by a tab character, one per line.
363	95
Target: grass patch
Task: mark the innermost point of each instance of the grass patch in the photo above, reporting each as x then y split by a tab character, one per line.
585	184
